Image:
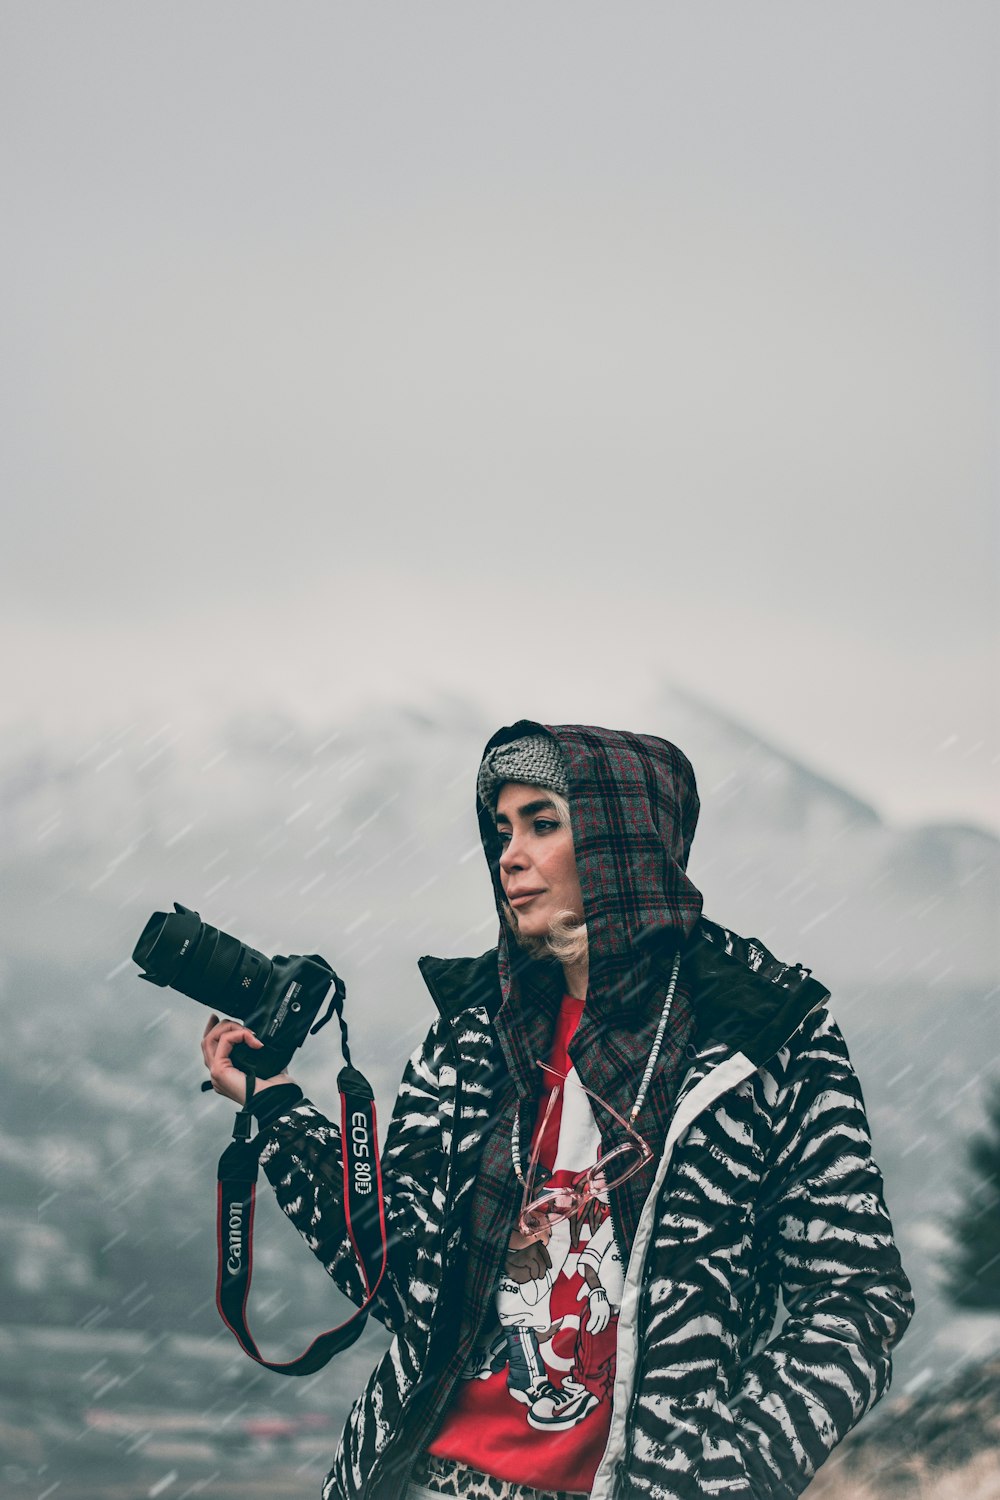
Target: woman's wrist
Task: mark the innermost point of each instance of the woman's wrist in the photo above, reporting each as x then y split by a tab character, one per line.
278	1081
274	1097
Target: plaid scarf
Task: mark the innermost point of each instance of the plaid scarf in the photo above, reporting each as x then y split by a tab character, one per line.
634	807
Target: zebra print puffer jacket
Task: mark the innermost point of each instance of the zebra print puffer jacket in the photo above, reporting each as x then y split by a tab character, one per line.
765	1185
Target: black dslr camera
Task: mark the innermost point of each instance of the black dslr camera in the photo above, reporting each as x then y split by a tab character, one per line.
277	998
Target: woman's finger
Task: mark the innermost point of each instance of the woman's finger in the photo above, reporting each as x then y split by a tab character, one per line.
210	1037
212	1021
223	1026
227	1078
214	1033
228	1040
221	1029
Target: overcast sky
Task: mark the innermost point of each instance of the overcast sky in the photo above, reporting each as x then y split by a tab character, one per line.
532	353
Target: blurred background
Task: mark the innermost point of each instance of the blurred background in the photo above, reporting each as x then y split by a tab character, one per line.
373	377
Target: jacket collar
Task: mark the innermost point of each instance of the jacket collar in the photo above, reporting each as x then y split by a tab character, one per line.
741	994
458	984
744	996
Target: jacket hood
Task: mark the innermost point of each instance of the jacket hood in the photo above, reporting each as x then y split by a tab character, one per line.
634	809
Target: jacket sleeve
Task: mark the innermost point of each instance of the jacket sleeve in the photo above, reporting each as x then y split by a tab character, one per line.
847	1298
302	1161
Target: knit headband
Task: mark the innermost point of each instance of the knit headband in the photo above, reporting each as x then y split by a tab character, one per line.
536	760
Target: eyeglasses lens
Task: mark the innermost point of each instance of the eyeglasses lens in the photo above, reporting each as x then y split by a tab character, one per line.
617	1167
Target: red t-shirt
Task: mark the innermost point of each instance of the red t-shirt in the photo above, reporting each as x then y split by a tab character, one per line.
534	1404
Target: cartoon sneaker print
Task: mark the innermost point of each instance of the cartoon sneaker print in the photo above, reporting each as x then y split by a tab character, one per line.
555	1410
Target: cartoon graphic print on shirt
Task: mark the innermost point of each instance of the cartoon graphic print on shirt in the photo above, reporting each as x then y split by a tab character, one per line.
558	1296
535	1405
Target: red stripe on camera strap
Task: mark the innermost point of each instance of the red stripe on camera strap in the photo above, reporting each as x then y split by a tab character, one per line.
364	1213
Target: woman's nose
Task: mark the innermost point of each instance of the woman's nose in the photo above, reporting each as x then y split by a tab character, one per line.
511	857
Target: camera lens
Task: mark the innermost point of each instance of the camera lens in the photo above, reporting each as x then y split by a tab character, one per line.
180	950
165	942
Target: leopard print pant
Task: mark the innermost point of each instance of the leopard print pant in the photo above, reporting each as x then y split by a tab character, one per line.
435	1477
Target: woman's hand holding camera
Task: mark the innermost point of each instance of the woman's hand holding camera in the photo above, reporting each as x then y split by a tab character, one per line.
219	1039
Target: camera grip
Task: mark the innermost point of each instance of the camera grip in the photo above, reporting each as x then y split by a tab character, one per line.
264	1062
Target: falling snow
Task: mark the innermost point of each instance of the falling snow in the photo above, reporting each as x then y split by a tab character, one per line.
106	1219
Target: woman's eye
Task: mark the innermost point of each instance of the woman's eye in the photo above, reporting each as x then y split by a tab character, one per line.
540	826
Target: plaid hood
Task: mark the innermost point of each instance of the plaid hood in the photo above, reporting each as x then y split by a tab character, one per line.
634	808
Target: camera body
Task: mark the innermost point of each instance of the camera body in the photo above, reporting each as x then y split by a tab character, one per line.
277	998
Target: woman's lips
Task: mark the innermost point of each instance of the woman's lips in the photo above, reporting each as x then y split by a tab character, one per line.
522	897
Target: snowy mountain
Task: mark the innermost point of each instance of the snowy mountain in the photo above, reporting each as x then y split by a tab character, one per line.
283	831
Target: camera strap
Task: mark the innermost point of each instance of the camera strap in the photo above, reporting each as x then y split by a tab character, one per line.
364	1213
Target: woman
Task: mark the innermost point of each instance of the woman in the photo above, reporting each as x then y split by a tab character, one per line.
627	1131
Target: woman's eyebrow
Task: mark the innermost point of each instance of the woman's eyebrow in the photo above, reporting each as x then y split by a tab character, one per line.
529	809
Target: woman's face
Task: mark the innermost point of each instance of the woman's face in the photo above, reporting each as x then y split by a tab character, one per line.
537	862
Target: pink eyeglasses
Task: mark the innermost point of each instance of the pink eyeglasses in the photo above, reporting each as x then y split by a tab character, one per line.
544	1207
